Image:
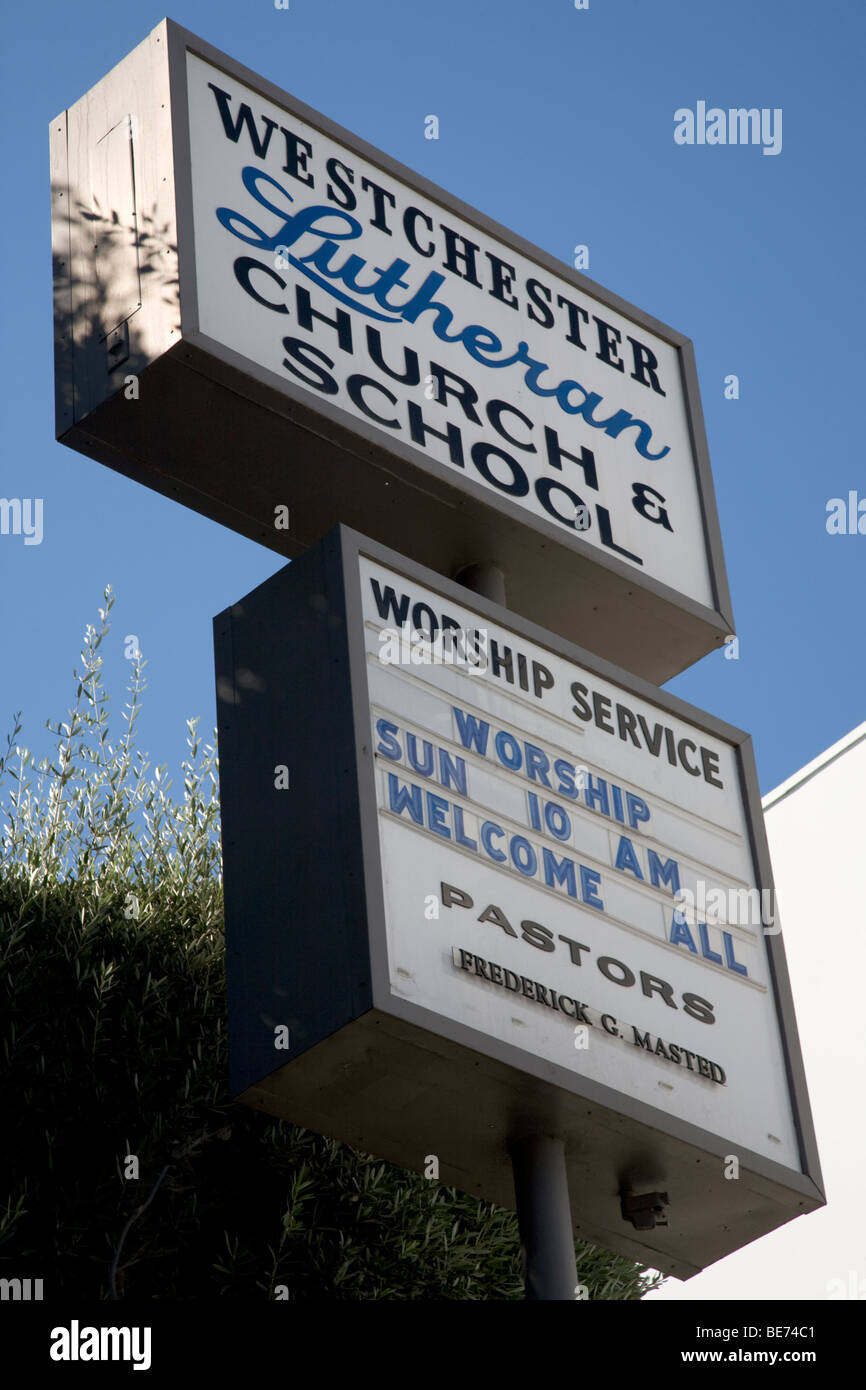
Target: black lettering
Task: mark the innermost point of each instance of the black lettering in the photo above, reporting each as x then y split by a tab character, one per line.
545	486
419	430
411	373
498	917
355	385
575	948
542	679
298	152
447	892
608	338
453	254
243	268
380	195
645	366
348	200
627	724
244	118
653	743
581	707
607	963
601	706
537	935
495	410
465	394
387	606
640	501
698	1008
519	485
538	294
606	535
503	280
506	661
306	313
410	217
710	764
651	984
555	455
687	743
575	314
302	352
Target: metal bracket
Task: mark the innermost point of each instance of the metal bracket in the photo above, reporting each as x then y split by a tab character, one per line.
645	1211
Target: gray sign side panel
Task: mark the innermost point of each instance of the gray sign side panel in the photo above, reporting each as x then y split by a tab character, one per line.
182	165
706	490
61	255
365	767
295	918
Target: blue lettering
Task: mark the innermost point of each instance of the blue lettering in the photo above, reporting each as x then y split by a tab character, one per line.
680	934
668	873
437	809
730	961
477	340
491	828
473	732
388	745
626	857
408	799
559	871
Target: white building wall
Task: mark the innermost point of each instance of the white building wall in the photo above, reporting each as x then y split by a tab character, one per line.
816	827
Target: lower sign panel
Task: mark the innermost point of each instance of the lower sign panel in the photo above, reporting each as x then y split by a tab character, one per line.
481	884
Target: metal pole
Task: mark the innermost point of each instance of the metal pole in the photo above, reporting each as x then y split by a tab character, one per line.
544	1216
485	579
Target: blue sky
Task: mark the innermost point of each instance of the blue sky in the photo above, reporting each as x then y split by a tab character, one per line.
559	124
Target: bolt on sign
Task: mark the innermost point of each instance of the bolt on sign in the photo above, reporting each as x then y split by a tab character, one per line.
480	883
264	317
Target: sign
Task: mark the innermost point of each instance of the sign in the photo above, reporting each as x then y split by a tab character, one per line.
492	885
266	318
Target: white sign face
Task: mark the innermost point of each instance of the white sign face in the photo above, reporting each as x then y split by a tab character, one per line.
362	294
567	869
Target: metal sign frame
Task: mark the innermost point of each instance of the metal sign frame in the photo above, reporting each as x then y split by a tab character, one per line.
307	946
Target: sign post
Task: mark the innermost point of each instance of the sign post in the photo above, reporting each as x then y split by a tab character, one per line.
490	895
544	1216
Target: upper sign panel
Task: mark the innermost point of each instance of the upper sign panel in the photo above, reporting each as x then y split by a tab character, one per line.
328	271
351	344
